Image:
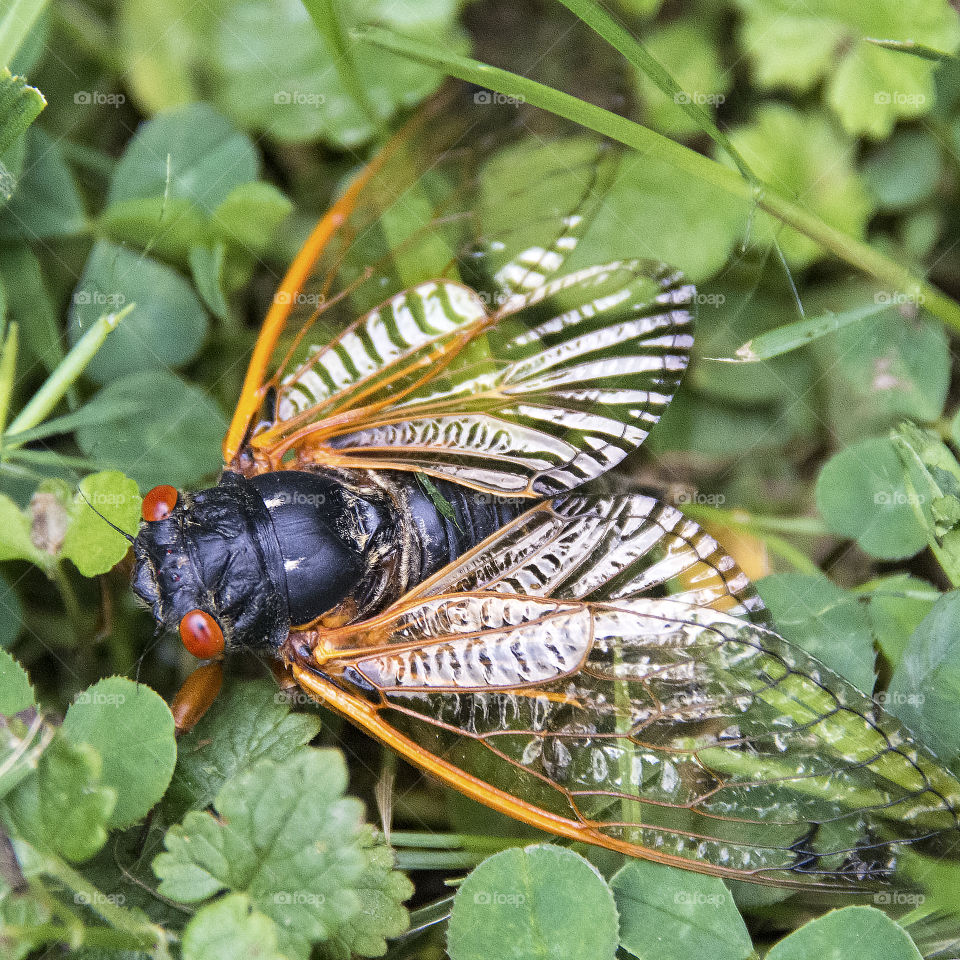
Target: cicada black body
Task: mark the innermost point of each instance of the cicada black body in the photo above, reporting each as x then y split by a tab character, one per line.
400	522
266	554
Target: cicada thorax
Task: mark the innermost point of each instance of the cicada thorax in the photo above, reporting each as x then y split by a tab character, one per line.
356	541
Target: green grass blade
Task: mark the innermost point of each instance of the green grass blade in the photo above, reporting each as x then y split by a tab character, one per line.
600	21
915	49
66	373
792	336
846	248
15	22
8	366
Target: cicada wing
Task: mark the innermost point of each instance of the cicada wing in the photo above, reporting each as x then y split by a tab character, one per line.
540	396
603	548
655	727
428	324
420	209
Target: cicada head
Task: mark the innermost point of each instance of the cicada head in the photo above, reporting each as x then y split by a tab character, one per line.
206	565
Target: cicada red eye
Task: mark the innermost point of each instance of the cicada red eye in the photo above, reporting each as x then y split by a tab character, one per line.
201	635
158	504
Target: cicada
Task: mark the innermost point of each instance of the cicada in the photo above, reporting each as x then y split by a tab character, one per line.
400	524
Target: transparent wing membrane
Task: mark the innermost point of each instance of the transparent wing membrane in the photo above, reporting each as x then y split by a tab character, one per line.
604	548
546	393
432	327
657	727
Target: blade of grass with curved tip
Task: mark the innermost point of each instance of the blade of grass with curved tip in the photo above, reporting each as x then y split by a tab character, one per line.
792	336
915	49
602	23
846	248
66	373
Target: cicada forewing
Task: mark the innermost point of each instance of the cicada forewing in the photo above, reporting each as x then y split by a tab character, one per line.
625	698
429	326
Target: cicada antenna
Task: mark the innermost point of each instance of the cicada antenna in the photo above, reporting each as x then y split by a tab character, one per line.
110	523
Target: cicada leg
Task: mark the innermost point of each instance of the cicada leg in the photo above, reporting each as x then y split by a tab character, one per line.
196	696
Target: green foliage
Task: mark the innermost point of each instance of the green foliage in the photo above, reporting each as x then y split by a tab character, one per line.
540	901
132	728
181	159
16	694
169	431
862	493
827	622
794	46
285	820
253	723
857	933
925	685
832	189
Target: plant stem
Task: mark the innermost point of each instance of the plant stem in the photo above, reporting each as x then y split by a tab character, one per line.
67	371
326	15
855	252
600	20
8	365
129	930
15	24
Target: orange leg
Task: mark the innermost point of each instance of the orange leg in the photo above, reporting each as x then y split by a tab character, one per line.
196	696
